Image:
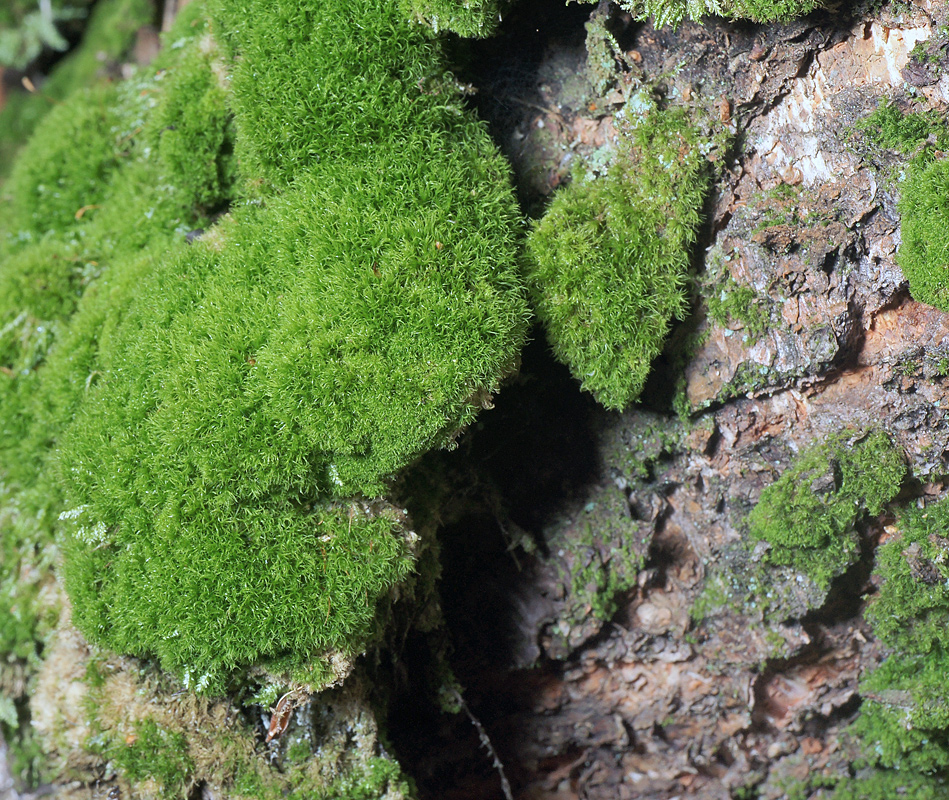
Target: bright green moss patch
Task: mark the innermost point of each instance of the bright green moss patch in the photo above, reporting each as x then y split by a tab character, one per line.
924	201
236	587
608	262
924	252
672	12
892	129
220	412
808	515
67	165
911	611
904	721
468	18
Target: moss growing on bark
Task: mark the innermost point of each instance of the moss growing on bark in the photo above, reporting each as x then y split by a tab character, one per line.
904	722
808	515
672	12
924	196
608	262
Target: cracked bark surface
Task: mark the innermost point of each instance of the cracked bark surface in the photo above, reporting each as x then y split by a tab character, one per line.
650	703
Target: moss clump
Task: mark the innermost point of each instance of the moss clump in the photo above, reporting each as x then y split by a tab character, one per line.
890	128
606	552
904	723
468	18
149	751
924	252
924	201
883	785
672	12
808	515
608	262
221	413
911	611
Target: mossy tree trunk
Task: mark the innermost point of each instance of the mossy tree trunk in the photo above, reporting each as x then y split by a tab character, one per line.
627	620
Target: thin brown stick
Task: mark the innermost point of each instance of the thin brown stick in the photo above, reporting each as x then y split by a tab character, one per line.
486	744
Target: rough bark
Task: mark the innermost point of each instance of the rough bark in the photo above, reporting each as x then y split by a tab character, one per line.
639	699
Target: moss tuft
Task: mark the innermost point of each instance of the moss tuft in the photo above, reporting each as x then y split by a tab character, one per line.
883	785
904	722
911	611
673	12
222	412
108	37
808	515
149	751
924	200
468	18
924	252
608	262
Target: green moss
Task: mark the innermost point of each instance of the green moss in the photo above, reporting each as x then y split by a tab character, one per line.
924	202
884	785
808	515
468	18
606	551
149	751
27	762
728	302
890	128
608	262
219	412
672	12
924	252
911	611
109	35
904	720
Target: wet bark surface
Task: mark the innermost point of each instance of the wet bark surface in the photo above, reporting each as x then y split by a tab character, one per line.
650	700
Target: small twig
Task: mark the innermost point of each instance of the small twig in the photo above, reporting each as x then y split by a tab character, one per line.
486	744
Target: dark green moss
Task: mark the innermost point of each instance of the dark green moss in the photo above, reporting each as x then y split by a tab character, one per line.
149	751
884	785
606	550
808	515
608	263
